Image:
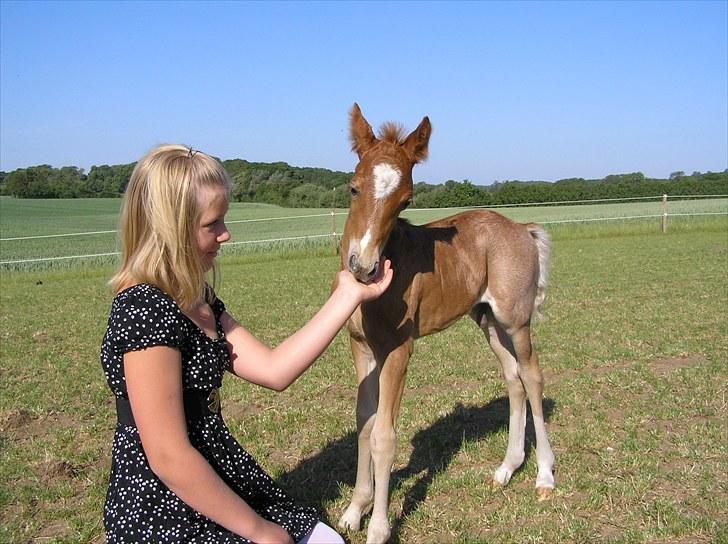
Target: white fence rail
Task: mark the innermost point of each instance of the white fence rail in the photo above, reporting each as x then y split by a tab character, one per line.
333	234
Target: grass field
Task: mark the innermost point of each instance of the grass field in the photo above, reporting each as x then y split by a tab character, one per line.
634	348
87	226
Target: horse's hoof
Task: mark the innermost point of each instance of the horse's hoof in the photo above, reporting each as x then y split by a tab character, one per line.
350	521
378	533
544	493
502	476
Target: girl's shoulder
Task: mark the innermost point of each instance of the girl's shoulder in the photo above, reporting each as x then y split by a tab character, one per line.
142	316
147	290
144	295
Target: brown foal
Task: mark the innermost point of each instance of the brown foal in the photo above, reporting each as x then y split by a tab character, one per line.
477	262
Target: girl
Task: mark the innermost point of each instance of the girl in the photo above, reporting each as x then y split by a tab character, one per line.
177	474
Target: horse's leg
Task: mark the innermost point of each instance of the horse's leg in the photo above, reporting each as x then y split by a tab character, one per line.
366	410
532	379
501	345
384	439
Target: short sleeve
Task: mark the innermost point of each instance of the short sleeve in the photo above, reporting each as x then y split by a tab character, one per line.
143	317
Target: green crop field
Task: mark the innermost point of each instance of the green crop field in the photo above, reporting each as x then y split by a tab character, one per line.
634	350
41	233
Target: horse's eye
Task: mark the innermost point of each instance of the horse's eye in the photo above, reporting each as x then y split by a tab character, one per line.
354	191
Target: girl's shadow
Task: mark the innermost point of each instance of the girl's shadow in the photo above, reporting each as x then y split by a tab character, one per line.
317	480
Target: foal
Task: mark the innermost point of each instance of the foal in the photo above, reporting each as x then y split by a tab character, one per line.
477	262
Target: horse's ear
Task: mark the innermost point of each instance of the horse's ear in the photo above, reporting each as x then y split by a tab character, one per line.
416	143
360	132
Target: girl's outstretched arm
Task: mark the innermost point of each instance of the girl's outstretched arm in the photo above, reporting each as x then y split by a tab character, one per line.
154	383
279	367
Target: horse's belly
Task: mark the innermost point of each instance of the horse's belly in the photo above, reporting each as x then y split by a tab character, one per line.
438	314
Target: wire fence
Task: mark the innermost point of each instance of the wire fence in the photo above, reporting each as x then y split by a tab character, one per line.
274	231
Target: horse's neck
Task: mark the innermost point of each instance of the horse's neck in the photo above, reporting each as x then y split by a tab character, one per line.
400	242
408	241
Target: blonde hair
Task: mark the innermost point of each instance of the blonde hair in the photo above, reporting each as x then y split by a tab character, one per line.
159	220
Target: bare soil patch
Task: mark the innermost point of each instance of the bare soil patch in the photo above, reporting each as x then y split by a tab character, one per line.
666	365
660	366
24	424
239	410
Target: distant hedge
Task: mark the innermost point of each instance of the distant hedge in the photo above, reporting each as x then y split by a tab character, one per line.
292	186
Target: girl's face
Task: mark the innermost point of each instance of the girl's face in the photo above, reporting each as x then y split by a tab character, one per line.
211	229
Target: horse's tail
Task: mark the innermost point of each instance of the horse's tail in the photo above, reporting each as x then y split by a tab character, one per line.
543	245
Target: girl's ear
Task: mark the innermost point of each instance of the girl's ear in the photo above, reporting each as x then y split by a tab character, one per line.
360	132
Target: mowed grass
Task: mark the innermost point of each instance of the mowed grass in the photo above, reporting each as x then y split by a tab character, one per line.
38	234
634	348
49	229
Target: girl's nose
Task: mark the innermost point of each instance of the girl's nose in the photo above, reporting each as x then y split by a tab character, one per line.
224	235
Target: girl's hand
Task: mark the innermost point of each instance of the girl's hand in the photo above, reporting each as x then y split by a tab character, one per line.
367	291
272	533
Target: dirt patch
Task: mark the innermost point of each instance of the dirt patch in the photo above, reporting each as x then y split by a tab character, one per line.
665	365
25	425
14	420
283	459
41	337
56	468
660	366
52	531
239	410
337	391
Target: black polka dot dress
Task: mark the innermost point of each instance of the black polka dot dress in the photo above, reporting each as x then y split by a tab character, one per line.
139	508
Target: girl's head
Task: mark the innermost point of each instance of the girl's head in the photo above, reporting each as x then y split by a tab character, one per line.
172	222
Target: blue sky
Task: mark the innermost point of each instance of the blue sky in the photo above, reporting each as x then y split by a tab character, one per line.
514	90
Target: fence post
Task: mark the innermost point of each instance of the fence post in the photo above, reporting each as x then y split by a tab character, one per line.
664	214
334	245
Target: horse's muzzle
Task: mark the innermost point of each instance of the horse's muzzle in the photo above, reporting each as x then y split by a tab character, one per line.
364	274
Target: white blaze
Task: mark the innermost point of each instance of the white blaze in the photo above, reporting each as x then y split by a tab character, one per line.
365	240
386	180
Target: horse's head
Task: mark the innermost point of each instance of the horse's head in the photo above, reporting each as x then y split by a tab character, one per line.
380	189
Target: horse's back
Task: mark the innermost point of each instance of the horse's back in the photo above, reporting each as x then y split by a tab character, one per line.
489	232
477	218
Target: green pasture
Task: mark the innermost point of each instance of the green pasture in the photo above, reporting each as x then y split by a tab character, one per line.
57	229
634	350
77	227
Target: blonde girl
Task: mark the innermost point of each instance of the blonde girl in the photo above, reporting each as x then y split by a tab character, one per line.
177	473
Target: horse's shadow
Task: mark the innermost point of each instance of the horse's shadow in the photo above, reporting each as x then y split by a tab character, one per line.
317	480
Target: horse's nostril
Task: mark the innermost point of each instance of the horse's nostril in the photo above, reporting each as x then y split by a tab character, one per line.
352	262
373	271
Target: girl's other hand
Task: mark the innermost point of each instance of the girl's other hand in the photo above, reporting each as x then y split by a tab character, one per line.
273	534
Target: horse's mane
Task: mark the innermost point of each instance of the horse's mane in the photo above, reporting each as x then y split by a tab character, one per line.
392	132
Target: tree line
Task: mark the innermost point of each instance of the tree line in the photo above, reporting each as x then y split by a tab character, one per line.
302	187
615	186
